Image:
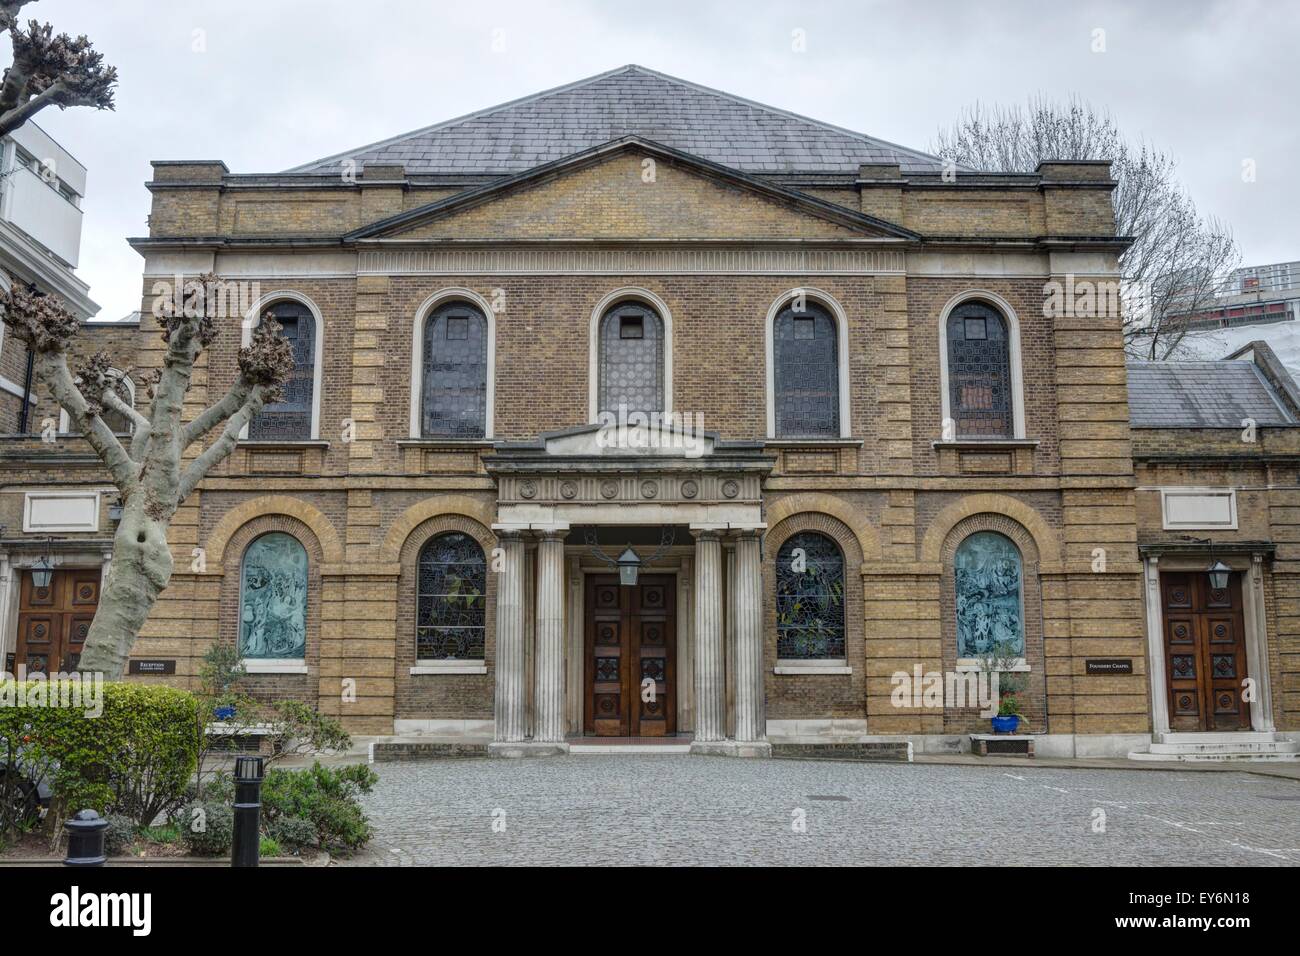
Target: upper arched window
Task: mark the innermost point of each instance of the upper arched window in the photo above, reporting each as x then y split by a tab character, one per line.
990	616
273	599
451	599
290	419
453	377
117	421
805	351
980	399
809	598
631	370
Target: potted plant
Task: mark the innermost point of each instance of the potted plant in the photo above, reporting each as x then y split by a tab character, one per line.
1008	717
1000	660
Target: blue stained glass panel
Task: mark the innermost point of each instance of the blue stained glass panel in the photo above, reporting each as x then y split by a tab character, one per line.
273	598
990	619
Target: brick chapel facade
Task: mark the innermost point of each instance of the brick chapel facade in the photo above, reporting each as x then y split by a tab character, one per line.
882	454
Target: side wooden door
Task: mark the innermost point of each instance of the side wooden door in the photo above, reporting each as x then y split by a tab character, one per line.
53	621
1205	652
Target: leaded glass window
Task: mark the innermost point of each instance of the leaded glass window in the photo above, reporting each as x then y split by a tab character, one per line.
807	376
290	418
979	372
990	619
631	343
273	598
809	598
454	377
451	599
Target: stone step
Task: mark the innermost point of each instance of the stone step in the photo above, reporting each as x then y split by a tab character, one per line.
386	751
1224	737
1235	747
887	751
1247	756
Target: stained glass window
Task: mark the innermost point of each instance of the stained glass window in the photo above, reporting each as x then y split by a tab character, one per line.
450	599
990	620
979	372
806	355
631	346
290	418
809	598
273	598
454	376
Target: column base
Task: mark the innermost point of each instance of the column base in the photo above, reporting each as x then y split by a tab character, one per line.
731	748
526	748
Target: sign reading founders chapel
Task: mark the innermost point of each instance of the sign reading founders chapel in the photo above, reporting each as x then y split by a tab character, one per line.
273	599
989	616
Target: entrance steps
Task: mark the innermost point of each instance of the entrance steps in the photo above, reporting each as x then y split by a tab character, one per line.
1243	745
629	745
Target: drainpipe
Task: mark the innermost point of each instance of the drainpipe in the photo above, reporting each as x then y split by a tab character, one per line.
27	392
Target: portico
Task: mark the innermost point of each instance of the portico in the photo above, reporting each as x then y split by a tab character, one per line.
579	653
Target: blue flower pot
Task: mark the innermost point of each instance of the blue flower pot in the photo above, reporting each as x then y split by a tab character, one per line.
1006	725
224	712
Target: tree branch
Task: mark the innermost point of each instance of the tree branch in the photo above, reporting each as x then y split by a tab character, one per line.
214	415
54	372
224	445
140	429
18	115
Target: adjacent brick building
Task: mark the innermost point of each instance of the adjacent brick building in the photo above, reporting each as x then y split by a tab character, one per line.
898	439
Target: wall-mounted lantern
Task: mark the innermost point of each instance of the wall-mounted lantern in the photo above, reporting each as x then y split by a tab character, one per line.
629	562
43	569
1218	572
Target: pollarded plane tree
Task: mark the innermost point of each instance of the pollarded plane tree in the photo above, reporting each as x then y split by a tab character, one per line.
150	467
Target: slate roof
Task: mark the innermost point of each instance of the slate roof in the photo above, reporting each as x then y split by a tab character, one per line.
1202	395
630	100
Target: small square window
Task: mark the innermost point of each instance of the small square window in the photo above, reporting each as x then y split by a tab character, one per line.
805	328
975	329
457	327
631	327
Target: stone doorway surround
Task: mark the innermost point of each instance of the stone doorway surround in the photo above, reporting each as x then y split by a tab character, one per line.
20	555
602	476
1245	557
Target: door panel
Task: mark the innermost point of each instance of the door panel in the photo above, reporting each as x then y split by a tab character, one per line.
1205	652
53	622
630	673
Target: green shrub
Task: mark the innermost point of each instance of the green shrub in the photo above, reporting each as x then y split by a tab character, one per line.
207	828
291	831
119	835
135	758
268	847
326	797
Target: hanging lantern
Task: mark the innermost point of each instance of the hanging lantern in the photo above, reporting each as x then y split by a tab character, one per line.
42	572
1218	572
628	565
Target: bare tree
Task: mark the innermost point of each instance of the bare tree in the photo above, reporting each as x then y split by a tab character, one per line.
49	70
1177	261
150	470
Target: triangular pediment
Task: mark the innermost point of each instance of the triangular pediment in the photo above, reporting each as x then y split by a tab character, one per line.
631	189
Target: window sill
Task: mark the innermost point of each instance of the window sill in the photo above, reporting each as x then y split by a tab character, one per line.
450	667
269	443
269	666
820	442
985	443
442	442
967	664
811	667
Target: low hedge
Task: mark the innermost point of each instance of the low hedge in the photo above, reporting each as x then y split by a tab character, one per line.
134	758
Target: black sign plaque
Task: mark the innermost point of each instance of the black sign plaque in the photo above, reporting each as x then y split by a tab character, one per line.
152	667
1108	665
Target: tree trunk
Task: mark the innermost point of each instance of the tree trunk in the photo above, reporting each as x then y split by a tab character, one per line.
141	568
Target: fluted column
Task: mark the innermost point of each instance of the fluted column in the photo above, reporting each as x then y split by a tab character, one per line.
747	584
509	708
710	675
548	691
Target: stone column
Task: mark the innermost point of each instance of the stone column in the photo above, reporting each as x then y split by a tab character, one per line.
710	676
510	705
548	692
751	720
1156	651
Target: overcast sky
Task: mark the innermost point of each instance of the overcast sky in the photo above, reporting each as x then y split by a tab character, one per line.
270	84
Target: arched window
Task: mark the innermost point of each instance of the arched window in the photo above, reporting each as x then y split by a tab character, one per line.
631	372
990	614
451	599
453	379
809	598
273	599
115	420
291	418
805	347
980	399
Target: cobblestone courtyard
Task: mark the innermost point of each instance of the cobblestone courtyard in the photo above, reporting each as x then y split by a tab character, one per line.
639	810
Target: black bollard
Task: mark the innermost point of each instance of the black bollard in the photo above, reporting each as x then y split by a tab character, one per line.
85	839
248	811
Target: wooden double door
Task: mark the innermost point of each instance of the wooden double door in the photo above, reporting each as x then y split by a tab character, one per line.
53	621
1205	652
629	669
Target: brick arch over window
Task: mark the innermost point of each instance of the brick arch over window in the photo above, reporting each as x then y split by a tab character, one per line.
450	696
1046	541
307	315
399	533
269	687
816	696
866	540
968	720
217	546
